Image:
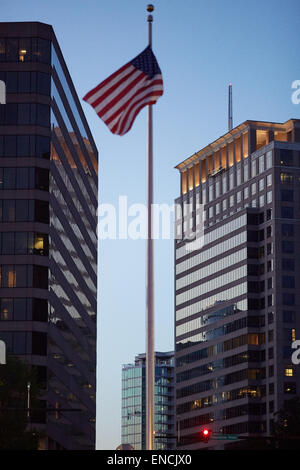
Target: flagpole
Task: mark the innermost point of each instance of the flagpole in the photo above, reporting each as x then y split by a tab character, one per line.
150	358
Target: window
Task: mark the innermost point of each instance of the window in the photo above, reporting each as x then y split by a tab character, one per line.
6	312
287	246
286	157
253	168
290	388
40	277
286	178
288	316
246	171
42	211
288	264
261	184
289	372
7	247
269	159
287	230
261	200
287	212
39	343
269	180
287	195
253	189
288	282
288	299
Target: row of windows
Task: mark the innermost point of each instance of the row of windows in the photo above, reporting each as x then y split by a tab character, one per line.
208	254
211	301
34	114
212	268
207	335
24	210
25	146
223	397
217	233
24	178
24	243
235	199
20	342
211	367
23	309
25	50
254	339
23	275
212	285
218	382
252	409
26	82
287	212
286	158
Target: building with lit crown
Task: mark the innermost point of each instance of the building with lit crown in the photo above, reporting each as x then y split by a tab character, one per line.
237	297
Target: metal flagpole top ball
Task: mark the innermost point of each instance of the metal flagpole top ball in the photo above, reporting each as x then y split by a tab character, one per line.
150	9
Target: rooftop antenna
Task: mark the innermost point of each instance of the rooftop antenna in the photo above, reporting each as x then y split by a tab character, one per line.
230	107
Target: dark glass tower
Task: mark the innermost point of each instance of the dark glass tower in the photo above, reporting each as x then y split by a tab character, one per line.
237	305
48	242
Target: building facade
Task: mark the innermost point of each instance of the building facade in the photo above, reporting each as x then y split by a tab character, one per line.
134	402
237	306
48	247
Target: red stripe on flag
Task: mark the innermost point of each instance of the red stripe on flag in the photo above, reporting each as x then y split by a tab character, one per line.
102	84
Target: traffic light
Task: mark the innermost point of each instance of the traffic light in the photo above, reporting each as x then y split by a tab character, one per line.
205	434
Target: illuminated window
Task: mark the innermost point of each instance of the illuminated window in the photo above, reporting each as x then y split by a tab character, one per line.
293	334
230	154
238	149
223	157
191	182
262	138
286	178
280	136
203	171
22	54
197	175
245	145
289	372
183	182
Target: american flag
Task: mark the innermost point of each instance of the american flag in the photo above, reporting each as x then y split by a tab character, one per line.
118	99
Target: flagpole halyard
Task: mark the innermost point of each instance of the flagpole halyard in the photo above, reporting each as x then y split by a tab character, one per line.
150	356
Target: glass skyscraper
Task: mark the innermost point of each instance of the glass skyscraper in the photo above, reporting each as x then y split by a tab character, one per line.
134	402
48	242
237	304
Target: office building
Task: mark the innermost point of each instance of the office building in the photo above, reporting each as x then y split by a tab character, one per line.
237	306
134	402
48	244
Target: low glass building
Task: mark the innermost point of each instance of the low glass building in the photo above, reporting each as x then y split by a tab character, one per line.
134	402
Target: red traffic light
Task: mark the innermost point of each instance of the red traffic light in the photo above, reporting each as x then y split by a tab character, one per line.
205	434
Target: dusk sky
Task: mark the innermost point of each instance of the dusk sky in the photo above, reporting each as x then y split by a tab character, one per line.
201	46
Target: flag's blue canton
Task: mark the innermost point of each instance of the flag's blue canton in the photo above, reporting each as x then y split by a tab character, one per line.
147	63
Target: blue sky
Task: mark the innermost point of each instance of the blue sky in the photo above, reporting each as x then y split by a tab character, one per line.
200	46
